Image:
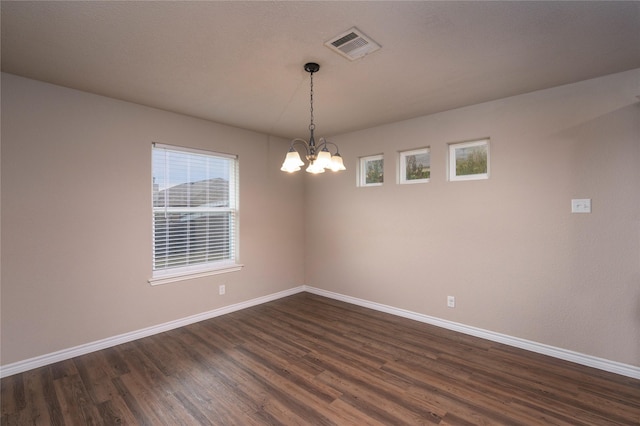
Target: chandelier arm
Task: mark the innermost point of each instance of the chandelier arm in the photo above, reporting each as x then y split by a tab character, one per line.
324	142
299	141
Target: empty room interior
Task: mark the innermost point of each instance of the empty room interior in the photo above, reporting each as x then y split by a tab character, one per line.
292	212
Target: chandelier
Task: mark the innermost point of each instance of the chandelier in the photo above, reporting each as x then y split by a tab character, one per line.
318	156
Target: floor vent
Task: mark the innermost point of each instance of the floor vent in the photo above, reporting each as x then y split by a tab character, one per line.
352	44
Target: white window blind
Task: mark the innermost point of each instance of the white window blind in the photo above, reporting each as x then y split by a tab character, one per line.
194	210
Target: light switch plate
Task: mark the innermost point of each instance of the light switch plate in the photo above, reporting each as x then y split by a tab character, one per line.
581	205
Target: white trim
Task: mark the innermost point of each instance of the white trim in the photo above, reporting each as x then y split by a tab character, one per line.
564	354
578	358
41	361
168	278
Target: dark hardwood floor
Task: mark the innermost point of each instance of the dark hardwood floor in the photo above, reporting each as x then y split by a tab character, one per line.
310	360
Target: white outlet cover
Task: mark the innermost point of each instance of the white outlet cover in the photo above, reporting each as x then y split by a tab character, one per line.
581	205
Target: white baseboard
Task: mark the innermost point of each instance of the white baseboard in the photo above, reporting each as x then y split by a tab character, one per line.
41	361
576	357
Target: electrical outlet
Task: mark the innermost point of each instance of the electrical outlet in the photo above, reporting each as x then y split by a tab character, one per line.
451	301
581	205
222	289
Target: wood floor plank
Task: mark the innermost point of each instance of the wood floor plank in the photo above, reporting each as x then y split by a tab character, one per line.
464	393
36	410
75	401
63	369
290	373
116	412
12	394
351	415
386	407
306	359
136	404
92	370
248	396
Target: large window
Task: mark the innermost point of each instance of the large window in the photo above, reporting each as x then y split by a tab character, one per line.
195	213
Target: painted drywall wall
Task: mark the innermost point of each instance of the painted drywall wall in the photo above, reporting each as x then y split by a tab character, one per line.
76	218
508	248
75	199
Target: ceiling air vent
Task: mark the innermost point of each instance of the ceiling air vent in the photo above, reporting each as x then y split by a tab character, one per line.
352	44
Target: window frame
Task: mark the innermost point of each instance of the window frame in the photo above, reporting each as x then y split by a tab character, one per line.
201	269
402	165
362	169
452	163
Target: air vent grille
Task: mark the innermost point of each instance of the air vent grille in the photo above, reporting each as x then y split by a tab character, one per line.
352	44
344	40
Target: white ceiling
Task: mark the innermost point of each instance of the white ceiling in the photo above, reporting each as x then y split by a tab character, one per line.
241	63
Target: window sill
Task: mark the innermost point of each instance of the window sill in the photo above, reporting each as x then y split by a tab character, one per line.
170	278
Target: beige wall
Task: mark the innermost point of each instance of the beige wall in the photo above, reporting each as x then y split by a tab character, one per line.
76	223
508	248
76	226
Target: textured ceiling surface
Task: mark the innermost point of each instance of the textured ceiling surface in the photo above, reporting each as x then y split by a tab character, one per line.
241	63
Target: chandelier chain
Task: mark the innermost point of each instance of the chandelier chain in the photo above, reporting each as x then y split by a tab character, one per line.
312	126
